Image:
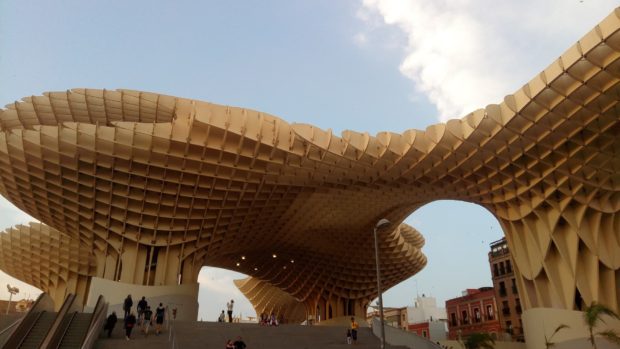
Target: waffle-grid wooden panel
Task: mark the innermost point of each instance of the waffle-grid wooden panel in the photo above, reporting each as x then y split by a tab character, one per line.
138	175
45	258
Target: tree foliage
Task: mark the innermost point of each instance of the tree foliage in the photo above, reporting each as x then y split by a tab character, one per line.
479	341
593	315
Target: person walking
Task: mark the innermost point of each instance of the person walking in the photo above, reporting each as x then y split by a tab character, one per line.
229	306
222	317
127	304
130	322
159	318
110	323
146	321
349	337
142	304
354	327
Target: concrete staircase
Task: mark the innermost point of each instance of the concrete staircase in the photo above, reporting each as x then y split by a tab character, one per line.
189	335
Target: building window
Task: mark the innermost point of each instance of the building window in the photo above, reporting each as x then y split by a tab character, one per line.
502	289
508	267
464	317
518	306
477	317
495	270
514	287
502	270
505	308
509	327
453	319
489	312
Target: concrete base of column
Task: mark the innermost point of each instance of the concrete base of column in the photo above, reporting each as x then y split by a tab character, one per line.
182	297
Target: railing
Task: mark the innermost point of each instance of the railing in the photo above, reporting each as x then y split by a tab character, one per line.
43	303
96	321
61	323
396	336
172	340
6	333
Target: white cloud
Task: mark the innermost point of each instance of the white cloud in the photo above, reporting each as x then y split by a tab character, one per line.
465	54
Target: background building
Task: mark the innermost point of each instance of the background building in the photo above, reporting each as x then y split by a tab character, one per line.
426	319
506	291
475	311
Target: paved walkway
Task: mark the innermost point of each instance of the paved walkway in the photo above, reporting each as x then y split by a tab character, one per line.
191	335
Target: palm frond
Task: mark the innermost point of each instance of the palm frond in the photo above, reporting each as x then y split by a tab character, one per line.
610	335
592	314
559	328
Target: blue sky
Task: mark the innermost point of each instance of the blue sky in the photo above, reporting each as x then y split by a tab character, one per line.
368	65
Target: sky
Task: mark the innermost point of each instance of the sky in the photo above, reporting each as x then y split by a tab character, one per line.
366	65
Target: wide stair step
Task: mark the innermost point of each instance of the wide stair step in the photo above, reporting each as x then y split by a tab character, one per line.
189	335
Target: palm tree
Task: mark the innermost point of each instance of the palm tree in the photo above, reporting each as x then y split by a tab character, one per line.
479	341
548	343
592	316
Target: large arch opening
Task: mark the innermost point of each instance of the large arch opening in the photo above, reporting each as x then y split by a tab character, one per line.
457	237
217	287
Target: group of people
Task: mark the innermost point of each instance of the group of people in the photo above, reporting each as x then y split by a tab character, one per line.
268	320
145	318
229	308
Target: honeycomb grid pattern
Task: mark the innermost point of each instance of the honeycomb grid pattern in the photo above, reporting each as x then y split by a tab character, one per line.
45	258
136	175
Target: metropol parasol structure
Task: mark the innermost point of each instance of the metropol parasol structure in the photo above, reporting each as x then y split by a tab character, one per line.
138	191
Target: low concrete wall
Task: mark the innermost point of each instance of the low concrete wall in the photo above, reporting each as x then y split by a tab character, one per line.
396	336
182	297
451	344
538	322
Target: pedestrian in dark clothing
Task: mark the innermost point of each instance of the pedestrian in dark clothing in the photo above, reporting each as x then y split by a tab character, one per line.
127	304
147	315
130	323
110	323
239	343
159	318
142	304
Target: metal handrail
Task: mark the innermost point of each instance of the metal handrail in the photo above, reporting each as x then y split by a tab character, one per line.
51	337
99	315
43	303
23	338
11	326
171	330
65	330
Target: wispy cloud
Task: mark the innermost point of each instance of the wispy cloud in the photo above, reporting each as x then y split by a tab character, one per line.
465	54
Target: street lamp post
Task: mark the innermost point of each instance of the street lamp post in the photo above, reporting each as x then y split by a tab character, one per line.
12	291
382	223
